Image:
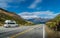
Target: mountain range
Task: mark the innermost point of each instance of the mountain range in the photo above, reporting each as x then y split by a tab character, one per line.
38	20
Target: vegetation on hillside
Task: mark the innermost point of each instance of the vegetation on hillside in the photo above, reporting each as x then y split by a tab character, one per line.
5	15
54	23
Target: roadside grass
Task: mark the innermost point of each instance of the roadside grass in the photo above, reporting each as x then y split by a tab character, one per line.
51	33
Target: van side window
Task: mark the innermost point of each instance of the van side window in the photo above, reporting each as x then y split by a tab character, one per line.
11	23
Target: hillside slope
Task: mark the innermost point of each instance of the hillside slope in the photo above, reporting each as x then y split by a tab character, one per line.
6	15
54	23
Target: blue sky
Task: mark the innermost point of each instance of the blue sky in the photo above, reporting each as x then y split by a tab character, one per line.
32	8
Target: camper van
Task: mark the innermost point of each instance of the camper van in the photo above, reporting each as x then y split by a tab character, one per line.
10	23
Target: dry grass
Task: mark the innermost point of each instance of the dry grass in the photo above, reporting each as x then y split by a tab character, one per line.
51	34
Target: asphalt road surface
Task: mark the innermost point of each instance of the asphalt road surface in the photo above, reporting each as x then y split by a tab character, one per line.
35	31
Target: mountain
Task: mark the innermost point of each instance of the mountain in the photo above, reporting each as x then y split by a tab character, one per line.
37	20
6	15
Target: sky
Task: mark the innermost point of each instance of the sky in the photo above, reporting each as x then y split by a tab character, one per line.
32	8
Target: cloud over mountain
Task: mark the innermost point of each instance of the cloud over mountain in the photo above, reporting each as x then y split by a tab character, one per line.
42	14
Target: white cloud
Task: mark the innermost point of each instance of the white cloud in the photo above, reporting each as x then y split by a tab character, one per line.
34	4
27	15
2	5
42	14
5	3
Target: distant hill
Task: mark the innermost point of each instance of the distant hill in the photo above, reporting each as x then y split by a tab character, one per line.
6	15
37	20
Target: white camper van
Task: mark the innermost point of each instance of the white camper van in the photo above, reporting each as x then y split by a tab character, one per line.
10	23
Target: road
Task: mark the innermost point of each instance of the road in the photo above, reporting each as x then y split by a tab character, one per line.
35	31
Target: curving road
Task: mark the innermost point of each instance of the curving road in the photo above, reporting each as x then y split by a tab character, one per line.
35	31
